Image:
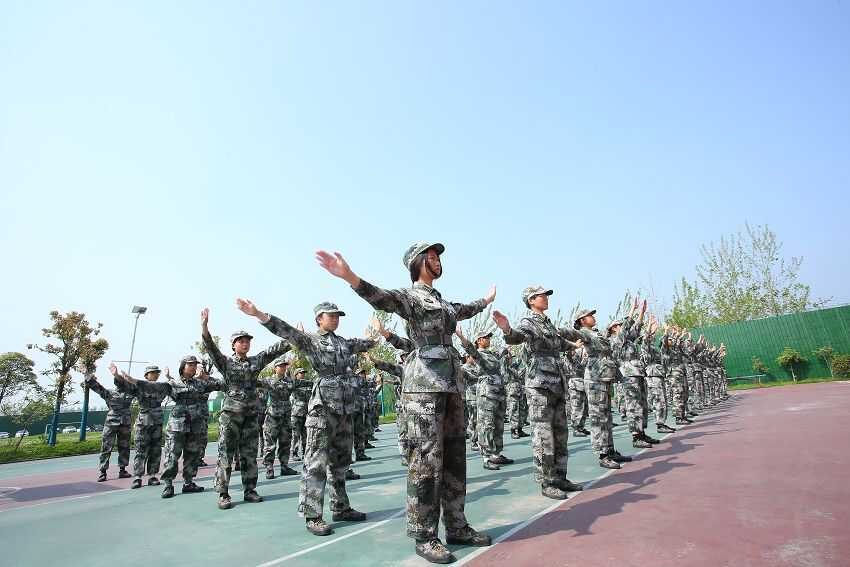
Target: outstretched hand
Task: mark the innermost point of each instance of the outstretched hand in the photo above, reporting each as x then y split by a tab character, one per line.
205	316
113	369
459	331
501	320
336	265
247	307
491	295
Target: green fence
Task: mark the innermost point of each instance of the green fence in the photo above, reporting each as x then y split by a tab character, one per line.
766	338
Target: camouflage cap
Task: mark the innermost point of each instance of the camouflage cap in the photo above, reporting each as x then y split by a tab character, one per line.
327	307
299	370
481	335
533	290
419	248
584	313
614	323
190	359
280	361
239	335
152	368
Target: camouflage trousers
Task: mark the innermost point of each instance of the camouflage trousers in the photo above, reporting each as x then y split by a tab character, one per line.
633	392
436	453
186	442
237	431
401	423
329	442
491	426
549	433
657	397
203	436
148	449
471	415
299	434
277	434
360	431
599	416
699	390
578	408
621	399
679	385
111	433
514	406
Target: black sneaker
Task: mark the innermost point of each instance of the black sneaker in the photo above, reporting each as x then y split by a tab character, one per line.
524	434
585	431
168	491
191	487
369	445
607	462
682	421
153	481
553	492
287	471
137	483
269	473
640	443
124	474
664	428
579	433
434	551
350	515
224	501
318	527
567	485
102	477
351	475
514	434
475	447
502	460
468	536
649	439
252	497
619	457
490	465
363	457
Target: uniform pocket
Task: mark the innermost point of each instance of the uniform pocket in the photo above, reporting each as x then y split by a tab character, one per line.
178	424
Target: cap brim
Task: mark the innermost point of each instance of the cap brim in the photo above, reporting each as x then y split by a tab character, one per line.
438	247
340	313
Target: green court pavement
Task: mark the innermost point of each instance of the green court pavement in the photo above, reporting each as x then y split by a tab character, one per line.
127	526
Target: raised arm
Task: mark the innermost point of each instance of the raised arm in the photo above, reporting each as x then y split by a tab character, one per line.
93	384
276	325
217	358
512	336
401	343
470	348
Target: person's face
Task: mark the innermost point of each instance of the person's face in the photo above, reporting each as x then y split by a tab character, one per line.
152	376
280	370
190	369
588	321
329	321
432	260
242	345
615	330
484	342
539	302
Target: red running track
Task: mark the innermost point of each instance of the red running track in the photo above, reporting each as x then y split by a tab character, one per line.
759	481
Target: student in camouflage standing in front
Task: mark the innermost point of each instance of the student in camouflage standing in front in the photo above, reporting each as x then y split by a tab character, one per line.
331	408
545	389
116	427
277	427
300	397
671	350
186	422
431	395
491	398
239	425
148	429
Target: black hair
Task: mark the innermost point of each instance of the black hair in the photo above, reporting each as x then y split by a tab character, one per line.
416	266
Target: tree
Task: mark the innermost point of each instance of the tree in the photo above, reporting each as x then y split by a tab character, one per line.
759	367
75	340
35	406
689	306
825	354
789	359
16	375
841	365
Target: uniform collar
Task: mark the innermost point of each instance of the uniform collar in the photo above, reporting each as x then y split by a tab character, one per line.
426	287
323	333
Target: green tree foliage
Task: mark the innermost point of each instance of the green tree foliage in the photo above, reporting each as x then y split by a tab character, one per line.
790	359
35	406
744	276
841	366
759	367
16	375
826	355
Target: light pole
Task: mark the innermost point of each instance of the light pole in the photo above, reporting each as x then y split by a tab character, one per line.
139	311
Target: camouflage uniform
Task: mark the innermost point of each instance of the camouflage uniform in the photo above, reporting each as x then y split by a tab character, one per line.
601	370
117	425
300	398
329	412
491	405
238	422
655	378
513	390
360	415
186	424
433	403
544	388
671	349
469	372
396	370
628	346
148	429
578	396
277	428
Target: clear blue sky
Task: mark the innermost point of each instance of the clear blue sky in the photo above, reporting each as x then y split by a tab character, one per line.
178	155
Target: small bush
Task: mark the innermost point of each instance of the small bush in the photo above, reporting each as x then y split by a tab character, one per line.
841	366
759	367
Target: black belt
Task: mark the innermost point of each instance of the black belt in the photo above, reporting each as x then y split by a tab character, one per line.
433	340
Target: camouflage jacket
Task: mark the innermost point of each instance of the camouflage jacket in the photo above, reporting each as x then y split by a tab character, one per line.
601	364
434	365
650	354
631	339
117	401
190	397
279	391
150	396
579	360
491	380
545	344
300	397
333	358
469	372
691	352
240	375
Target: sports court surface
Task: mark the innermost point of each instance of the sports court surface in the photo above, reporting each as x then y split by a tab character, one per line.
760	480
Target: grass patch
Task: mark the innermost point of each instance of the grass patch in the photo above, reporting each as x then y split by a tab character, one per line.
777	383
39	450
